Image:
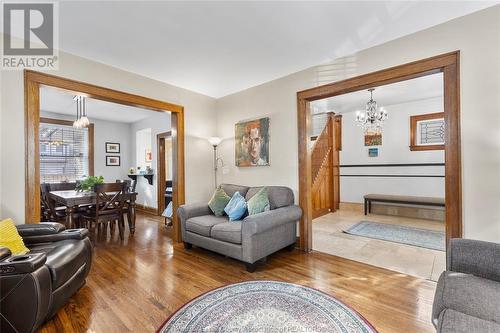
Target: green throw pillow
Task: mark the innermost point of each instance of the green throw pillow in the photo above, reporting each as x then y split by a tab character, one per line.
259	202
219	201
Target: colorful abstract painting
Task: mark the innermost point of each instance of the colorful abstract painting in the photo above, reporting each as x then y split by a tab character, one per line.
252	143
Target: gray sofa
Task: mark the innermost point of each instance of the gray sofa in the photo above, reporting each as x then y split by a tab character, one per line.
250	239
468	293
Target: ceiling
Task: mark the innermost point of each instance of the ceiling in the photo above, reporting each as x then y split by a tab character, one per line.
218	48
401	92
61	102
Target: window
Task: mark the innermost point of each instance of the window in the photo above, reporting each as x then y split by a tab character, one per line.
66	153
427	131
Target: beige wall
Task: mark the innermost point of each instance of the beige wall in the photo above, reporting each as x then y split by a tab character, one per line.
477	36
199	124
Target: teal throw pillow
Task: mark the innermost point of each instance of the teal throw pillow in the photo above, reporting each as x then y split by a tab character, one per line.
259	202
236	208
219	201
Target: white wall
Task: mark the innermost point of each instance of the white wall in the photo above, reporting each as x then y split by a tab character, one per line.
158	123
394	150
199	125
106	131
477	37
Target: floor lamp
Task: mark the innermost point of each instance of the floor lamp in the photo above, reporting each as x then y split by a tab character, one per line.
215	141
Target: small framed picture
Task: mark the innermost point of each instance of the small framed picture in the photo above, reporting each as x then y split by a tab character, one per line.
149	155
372	152
112	160
112	147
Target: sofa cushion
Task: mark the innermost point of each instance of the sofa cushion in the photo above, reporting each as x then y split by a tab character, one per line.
64	259
201	225
258	203
451	321
219	201
236	208
227	232
10	238
231	189
279	196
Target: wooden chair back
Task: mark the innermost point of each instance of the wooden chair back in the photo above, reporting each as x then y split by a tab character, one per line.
47	205
110	198
130	184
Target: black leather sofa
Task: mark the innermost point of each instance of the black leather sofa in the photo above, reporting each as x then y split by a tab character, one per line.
33	287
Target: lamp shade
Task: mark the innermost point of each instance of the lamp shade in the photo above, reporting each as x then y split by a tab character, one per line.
214	141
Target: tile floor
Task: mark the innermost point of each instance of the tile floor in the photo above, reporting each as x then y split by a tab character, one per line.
329	238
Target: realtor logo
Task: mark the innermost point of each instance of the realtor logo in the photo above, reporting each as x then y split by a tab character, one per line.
29	35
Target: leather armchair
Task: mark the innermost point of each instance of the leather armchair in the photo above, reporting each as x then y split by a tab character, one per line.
34	286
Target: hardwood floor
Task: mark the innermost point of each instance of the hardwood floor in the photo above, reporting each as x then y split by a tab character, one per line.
135	284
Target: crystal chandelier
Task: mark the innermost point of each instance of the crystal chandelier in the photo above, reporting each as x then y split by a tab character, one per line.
372	119
81	113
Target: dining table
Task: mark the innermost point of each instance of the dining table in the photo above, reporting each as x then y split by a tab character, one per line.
73	199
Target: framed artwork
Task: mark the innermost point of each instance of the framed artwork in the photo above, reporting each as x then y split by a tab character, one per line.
149	155
112	148
252	143
112	160
373	138
372	152
427	132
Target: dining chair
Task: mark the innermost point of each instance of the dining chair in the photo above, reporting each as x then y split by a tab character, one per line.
52	211
131	184
108	208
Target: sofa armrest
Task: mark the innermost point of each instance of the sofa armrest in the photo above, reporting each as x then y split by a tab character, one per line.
258	223
186	212
22	264
37	229
77	234
474	257
4	253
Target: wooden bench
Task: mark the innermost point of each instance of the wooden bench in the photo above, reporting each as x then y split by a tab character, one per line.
401	199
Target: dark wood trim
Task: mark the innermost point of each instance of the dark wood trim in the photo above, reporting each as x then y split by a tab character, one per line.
146	209
32	82
413	131
161	179
178	180
91	137
448	64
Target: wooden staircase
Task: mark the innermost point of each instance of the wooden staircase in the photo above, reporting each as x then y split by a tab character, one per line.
325	167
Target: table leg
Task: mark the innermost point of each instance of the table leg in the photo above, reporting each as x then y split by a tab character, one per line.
69	217
131	217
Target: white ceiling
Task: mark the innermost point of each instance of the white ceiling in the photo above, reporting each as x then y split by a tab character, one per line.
218	48
401	92
61	102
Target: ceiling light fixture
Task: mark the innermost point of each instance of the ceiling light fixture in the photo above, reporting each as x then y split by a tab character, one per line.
82	120
373	118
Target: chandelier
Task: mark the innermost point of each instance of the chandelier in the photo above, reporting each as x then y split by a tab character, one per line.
81	113
372	119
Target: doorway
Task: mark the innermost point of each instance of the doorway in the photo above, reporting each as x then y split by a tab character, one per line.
35	81
165	171
394	161
448	64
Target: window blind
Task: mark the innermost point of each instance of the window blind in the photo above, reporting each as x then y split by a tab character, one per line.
64	153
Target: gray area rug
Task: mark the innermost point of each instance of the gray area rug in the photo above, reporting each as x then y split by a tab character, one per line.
266	306
429	239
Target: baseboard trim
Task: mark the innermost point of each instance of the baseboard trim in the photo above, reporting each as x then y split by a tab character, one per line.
146	209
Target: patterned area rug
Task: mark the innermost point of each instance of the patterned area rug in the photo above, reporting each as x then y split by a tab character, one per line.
430	239
266	306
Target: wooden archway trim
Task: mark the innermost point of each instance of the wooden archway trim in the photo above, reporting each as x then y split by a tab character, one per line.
448	64
32	83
